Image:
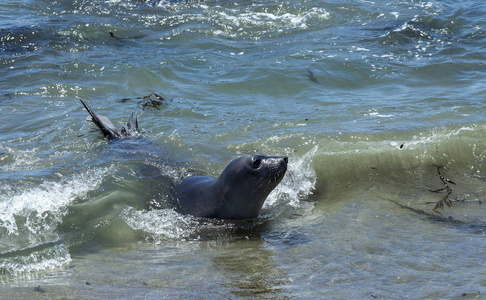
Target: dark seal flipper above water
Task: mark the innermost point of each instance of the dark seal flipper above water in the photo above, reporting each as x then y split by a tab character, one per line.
107	127
132	127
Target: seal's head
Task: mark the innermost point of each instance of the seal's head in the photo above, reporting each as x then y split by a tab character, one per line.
246	183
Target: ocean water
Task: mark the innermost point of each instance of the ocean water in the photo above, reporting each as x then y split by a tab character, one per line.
379	106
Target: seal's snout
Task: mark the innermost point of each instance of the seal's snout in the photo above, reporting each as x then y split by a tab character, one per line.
282	161
277	161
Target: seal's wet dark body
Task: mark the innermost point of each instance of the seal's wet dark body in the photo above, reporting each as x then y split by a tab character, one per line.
238	193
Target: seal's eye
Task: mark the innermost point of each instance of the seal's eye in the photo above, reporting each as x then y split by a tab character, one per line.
256	162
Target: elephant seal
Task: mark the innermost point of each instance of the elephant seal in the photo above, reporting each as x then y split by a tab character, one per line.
238	193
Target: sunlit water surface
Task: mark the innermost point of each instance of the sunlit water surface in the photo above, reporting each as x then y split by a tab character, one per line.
373	101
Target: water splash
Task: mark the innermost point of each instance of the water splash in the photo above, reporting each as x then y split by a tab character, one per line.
29	220
42	207
161	224
298	183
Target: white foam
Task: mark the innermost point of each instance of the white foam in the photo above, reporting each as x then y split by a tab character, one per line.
161	224
374	113
22	158
241	20
43	206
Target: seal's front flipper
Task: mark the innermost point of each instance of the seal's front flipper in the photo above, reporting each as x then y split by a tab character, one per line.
132	127
103	123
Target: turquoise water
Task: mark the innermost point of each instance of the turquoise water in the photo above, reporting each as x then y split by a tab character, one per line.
371	101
